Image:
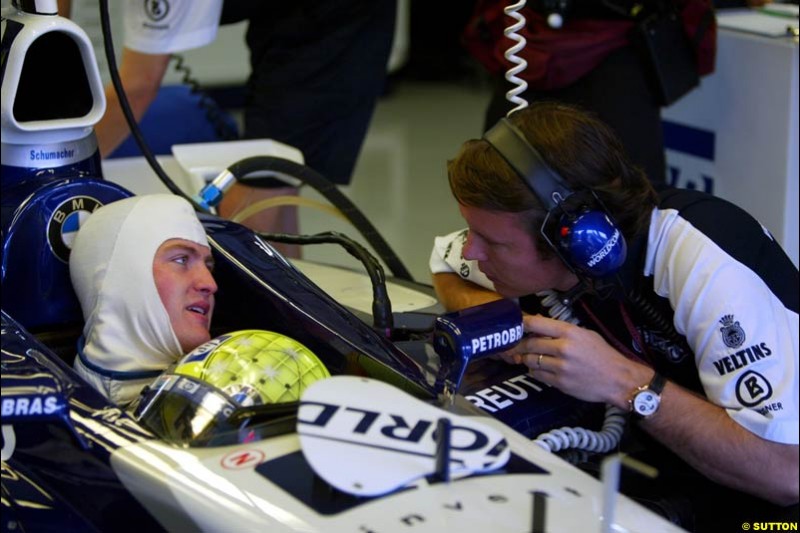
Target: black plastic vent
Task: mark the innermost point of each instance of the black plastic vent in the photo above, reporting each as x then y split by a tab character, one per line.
53	83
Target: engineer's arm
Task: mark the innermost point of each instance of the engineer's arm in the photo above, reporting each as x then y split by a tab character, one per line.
456	293
64	8
141	76
581	363
742	330
708	439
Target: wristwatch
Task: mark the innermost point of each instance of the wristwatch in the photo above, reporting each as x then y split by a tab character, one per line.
646	399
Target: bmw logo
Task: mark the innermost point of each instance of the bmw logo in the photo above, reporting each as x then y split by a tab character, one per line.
65	222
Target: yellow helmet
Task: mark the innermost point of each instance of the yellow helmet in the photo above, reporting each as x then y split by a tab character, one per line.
248	368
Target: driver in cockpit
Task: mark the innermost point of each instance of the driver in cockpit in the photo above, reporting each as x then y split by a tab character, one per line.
142	270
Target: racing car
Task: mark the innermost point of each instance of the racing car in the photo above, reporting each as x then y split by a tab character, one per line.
74	461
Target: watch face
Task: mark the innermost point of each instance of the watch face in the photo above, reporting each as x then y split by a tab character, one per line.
646	402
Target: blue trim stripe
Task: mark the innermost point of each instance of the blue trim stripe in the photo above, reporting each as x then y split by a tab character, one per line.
114	374
689	140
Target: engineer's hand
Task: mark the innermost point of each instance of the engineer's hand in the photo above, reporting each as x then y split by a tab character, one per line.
575	360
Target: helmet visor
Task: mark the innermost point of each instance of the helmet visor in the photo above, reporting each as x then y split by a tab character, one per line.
184	410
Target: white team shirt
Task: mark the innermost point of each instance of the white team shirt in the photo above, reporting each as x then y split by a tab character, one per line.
745	341
168	26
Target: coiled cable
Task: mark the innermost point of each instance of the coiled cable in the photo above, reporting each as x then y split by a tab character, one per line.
563	438
655	319
602	441
520	85
557	307
223	126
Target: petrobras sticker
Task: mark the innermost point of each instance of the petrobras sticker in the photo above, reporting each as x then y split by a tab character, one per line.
496	340
22	407
478	331
48	155
368	438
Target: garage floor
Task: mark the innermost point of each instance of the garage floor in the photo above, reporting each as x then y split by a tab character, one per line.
400	181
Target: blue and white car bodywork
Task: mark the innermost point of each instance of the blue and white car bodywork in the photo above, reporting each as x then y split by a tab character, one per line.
72	461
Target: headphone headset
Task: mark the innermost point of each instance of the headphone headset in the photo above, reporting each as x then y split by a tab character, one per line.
584	237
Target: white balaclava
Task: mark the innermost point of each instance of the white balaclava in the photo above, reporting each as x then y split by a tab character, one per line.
127	327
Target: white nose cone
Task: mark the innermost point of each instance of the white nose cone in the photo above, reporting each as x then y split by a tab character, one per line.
368	438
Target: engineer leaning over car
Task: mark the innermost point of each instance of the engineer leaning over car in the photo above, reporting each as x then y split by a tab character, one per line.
141	268
694	330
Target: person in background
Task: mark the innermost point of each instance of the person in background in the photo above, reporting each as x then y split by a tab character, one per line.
683	311
142	270
317	70
584	53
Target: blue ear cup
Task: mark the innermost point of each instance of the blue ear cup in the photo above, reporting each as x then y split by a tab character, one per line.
591	243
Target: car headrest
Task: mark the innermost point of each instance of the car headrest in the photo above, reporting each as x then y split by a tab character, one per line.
39	223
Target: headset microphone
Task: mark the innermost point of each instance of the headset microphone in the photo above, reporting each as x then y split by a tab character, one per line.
577	226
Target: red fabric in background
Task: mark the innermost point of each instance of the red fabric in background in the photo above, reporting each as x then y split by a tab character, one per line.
559	57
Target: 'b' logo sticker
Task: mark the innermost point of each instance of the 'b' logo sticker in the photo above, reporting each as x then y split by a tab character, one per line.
752	389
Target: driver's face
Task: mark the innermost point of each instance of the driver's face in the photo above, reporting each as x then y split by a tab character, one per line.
182	272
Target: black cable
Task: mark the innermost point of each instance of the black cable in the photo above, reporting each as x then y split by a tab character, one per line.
382	319
108	46
332	194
